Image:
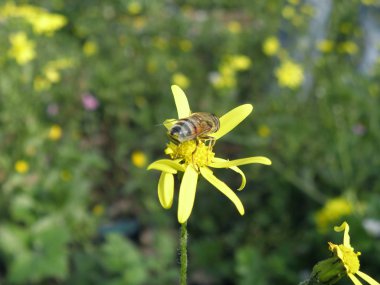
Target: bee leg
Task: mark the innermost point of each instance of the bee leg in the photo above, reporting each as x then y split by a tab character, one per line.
192	155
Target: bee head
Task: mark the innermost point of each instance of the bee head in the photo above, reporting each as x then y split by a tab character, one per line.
175	134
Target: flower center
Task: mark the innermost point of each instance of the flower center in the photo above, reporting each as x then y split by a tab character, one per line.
191	152
350	259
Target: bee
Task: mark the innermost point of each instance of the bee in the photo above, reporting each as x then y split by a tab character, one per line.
197	126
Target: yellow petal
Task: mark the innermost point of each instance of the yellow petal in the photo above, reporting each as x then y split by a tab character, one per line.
231	119
166	190
236	169
222	187
346	238
166	165
180	99
354	279
241	161
367	278
187	193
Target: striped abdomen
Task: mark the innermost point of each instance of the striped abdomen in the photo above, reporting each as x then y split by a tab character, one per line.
198	125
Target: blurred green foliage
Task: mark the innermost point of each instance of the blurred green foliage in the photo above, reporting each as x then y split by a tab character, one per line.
84	87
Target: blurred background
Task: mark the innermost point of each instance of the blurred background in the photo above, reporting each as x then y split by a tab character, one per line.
85	87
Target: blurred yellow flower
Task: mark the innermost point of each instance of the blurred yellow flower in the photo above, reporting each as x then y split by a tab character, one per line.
289	74
181	80
65	175
90	48
271	46
160	43
225	79
47	23
22	49
98	210
139	22
55	133
325	46
231	64
24	11
234	27
374	90
134	8
263	131
307	9
288	12
185	45
371	2
51	74
348	47
297	20
346	28
294	2
41	84
333	210
139	159
21	166
240	62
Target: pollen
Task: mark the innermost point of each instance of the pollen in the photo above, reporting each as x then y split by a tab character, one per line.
191	152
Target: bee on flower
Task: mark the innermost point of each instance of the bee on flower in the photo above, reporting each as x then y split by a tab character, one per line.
189	153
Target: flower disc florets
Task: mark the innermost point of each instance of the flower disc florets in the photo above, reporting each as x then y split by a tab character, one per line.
348	256
192	152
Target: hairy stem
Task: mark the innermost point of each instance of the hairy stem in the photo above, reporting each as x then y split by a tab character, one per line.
183	258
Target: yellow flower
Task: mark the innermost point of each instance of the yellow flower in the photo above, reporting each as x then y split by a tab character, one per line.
139	22
271	46
185	45
134	8
46	23
349	258
289	74
333	210
371	2
21	166
55	133
90	48
195	158
65	175
288	12
181	80
98	210
22	49
307	10
138	159
348	47
40	84
52	74
325	46
263	131
240	62
234	27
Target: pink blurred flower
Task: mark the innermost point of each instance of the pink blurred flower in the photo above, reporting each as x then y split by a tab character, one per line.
90	102
52	109
359	129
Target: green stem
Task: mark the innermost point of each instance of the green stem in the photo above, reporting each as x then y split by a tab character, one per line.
183	258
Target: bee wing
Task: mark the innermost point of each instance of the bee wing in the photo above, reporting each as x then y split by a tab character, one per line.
206	128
